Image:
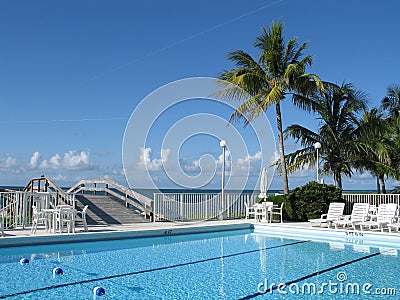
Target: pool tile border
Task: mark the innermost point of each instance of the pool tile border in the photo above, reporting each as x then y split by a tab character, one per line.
115	235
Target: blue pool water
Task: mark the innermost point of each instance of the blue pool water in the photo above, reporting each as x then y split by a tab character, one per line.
220	265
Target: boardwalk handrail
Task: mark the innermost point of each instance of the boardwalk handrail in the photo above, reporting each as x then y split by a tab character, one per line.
108	186
57	195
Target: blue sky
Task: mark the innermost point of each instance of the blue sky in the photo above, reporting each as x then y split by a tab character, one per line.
73	72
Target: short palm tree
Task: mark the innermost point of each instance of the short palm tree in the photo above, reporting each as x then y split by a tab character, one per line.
374	147
337	108
278	72
392	101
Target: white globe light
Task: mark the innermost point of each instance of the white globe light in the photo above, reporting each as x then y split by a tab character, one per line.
223	143
317	145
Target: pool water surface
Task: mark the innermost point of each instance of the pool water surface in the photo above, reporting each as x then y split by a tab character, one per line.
238	264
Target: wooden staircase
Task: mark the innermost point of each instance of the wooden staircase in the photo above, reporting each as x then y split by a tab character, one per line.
105	210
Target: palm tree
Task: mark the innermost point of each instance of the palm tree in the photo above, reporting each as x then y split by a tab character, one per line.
278	72
392	101
337	108
374	147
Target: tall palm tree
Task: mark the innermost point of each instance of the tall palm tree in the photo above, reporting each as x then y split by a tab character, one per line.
337	108
278	72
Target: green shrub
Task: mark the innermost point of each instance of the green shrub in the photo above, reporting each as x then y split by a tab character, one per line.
310	201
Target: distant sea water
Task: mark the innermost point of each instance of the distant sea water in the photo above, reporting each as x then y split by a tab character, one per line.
150	192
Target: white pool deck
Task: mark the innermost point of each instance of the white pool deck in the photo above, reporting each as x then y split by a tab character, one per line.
295	230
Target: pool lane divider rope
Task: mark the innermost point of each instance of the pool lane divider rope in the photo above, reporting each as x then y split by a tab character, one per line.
313	275
147	271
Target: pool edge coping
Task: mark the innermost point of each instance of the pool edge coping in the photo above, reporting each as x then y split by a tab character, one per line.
7	242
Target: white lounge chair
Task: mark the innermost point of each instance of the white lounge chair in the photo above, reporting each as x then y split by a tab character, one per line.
358	214
335	210
385	216
80	216
396	224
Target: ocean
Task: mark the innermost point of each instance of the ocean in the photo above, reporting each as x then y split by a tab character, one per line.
150	192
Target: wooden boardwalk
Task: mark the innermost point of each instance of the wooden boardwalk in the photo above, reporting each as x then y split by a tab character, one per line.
107	210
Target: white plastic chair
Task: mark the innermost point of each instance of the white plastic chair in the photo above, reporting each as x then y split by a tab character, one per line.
39	217
250	211
65	216
335	210
277	211
80	216
263	211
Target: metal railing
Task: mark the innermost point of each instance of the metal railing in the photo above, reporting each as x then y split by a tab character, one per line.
13	209
200	206
16	206
372	199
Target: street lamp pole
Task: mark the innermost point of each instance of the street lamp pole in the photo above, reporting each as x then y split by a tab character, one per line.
223	144
317	146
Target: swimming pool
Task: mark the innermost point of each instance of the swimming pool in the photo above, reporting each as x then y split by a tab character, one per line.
240	264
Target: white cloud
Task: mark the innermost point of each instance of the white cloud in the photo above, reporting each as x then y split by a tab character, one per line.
193	166
242	162
59	177
75	161
10	162
70	161
274	158
118	171
155	164
227	158
33	163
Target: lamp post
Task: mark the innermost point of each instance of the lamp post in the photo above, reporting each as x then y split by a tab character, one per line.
223	144
317	146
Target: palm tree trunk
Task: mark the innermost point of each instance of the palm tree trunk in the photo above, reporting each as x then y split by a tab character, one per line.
338	179
382	179
281	148
378	186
